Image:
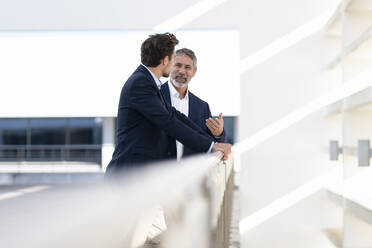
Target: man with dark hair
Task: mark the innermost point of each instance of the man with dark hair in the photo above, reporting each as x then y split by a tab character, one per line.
176	93
145	119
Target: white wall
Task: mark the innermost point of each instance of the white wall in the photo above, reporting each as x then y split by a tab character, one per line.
297	154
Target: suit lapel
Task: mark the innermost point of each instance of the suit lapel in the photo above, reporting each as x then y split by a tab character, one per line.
162	98
191	106
166	92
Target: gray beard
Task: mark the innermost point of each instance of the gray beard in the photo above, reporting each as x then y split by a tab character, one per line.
179	85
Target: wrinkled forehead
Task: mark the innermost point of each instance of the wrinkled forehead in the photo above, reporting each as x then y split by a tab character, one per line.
184	59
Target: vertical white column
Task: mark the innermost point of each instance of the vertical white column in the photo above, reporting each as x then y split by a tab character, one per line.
108	141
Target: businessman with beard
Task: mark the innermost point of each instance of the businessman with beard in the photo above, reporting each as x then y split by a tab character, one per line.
176	93
146	119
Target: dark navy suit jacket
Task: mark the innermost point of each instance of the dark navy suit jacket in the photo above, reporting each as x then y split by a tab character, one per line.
198	112
145	122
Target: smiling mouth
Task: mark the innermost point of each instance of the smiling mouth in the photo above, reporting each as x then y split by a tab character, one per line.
180	77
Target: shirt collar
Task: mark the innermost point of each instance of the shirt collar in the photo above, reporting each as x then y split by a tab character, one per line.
173	92
157	81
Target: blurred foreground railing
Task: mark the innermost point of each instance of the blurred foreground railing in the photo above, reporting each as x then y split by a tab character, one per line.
197	194
206	209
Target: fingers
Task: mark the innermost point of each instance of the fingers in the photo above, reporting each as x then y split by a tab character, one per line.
226	152
218	121
224	148
212	123
225	157
210	126
214	126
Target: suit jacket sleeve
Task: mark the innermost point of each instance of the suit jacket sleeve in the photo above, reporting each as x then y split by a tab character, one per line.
191	124
145	98
220	139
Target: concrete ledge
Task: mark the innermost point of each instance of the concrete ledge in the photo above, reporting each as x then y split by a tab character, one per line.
50	178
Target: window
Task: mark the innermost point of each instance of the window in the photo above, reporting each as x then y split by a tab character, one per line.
51	139
13	135
13	131
85	131
48	131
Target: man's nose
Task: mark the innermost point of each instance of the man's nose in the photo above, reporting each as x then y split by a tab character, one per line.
182	70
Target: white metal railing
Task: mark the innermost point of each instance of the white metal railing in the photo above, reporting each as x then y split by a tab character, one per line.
197	192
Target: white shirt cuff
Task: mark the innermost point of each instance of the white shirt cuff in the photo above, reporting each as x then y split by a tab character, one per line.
210	148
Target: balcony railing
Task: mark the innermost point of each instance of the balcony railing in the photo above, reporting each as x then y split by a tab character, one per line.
197	193
81	153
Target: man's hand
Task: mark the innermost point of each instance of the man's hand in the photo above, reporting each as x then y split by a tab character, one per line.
215	126
225	148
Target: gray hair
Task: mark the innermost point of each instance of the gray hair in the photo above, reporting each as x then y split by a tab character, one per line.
189	53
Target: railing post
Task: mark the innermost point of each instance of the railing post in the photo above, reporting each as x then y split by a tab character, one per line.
63	157
21	154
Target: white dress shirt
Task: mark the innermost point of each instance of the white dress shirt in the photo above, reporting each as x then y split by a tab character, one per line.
181	105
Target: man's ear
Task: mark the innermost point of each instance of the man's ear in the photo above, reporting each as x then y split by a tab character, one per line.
194	71
165	60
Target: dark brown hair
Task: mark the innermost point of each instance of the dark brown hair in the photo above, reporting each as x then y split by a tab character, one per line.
157	47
